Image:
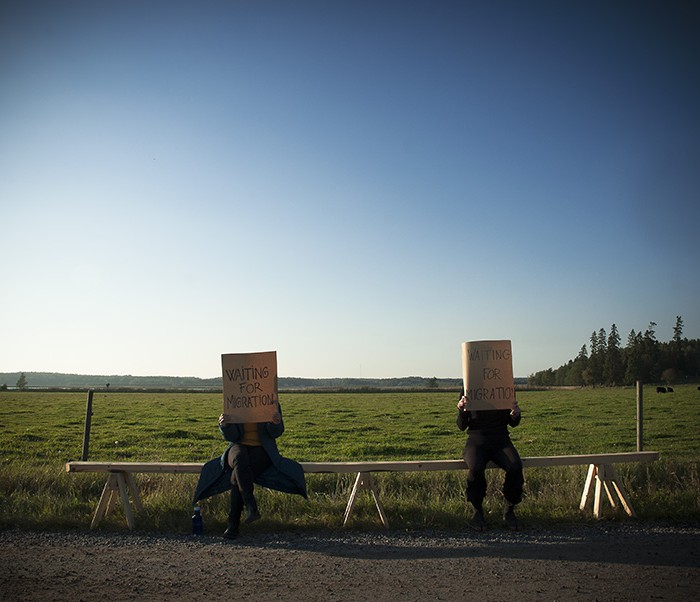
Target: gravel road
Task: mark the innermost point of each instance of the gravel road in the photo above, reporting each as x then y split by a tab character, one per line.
617	561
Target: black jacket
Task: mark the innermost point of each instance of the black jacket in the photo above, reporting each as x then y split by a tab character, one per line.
487	426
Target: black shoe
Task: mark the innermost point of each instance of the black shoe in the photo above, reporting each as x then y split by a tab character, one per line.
252	513
511	520
231	532
478	523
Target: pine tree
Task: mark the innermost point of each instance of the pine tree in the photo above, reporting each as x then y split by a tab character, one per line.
595	362
678	331
644	359
613	370
650	355
633	358
577	371
677	359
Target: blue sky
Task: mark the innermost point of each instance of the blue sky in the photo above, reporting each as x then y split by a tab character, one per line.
360	186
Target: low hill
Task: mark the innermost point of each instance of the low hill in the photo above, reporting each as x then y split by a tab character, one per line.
54	380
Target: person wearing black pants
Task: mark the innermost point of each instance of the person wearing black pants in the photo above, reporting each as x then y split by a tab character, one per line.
489	441
251	459
248	460
247	463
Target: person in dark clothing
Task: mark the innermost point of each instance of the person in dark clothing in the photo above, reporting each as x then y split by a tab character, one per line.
248	460
489	441
251	458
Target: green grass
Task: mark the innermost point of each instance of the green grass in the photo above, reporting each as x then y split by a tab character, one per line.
40	431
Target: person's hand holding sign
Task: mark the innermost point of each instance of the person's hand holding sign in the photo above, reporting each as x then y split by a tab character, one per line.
463	404
277	417
515	409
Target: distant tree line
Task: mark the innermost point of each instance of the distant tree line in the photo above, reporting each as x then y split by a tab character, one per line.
644	358
43	380
33	380
359	384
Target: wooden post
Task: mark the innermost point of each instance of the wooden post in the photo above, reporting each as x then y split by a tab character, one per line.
640	416
88	420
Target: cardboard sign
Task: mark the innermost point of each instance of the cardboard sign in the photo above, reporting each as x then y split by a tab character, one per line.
487	368
250	386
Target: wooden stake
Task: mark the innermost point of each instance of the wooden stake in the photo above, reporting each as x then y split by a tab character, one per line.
88	421
640	416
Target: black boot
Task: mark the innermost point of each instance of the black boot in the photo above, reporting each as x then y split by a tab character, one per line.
511	520
252	510
478	522
234	515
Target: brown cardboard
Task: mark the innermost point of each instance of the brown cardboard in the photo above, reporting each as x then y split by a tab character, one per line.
250	386
487	369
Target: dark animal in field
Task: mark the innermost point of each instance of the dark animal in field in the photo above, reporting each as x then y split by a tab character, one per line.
669	389
661	389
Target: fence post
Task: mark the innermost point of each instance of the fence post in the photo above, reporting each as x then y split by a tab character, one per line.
640	416
88	420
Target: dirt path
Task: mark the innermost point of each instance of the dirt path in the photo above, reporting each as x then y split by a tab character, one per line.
603	562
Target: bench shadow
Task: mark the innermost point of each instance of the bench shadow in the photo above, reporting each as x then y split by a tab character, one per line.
680	548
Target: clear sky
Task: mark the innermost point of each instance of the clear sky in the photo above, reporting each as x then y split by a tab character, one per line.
358	185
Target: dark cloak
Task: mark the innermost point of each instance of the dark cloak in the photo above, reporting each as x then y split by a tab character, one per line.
284	475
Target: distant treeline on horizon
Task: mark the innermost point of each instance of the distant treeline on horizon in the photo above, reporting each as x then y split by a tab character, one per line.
51	380
644	359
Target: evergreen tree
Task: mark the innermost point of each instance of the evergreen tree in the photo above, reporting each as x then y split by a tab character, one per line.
650	355
595	363
602	341
613	370
677	359
644	358
678	331
576	374
633	358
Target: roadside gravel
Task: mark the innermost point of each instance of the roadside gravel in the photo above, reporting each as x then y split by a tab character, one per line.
617	561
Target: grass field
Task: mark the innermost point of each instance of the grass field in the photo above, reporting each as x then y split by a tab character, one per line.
40	431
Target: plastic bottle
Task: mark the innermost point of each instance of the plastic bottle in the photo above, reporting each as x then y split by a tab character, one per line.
197	523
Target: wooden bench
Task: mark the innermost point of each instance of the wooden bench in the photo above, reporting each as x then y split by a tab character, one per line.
601	472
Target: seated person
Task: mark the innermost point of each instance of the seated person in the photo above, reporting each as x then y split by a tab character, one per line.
489	441
251	457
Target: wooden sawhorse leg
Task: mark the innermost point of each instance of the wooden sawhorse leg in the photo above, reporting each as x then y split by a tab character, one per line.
118	484
605	478
364	480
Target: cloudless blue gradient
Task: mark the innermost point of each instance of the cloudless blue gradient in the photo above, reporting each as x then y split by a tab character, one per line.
359	185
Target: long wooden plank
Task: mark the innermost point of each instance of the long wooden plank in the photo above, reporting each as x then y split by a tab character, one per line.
583	459
379	466
424	465
169	467
397	466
